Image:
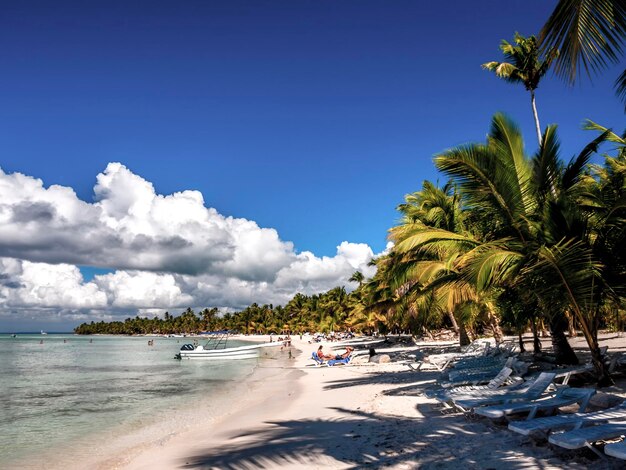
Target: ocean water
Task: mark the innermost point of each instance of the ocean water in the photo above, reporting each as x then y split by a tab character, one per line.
77	396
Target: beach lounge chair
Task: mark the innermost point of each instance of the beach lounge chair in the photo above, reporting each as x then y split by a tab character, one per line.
317	359
568	421
563	375
442	361
616	449
489	370
530	391
339	362
480	377
585	437
496	382
479	362
564	397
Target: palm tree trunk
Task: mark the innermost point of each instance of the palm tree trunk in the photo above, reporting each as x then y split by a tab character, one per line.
455	325
464	338
536	340
571	325
520	339
590	333
494	323
562	349
537	126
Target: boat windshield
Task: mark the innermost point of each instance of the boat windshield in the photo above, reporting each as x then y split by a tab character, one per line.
218	339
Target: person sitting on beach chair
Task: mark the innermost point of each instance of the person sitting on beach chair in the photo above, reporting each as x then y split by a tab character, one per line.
339	362
349	351
322	355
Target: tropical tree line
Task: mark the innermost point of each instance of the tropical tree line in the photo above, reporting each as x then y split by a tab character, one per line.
335	310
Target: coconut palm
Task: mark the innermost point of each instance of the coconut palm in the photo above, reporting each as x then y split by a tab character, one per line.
545	241
357	277
589	33
427	284
525	65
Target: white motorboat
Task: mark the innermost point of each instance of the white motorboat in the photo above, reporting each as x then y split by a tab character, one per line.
216	349
361	342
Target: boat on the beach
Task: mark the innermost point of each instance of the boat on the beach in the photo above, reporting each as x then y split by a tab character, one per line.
215	349
362	342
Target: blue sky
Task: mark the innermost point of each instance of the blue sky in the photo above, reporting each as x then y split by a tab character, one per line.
313	118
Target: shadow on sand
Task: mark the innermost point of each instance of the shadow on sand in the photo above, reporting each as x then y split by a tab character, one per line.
358	439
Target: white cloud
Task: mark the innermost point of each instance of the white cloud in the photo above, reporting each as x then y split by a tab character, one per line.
168	251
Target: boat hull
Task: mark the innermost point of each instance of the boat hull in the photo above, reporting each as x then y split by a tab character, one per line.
216	357
241	352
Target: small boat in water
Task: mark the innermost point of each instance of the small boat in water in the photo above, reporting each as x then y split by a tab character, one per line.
43	332
215	349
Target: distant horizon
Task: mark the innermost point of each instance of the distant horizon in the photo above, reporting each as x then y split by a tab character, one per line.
220	154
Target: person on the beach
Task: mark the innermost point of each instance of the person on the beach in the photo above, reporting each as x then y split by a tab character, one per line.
348	352
321	355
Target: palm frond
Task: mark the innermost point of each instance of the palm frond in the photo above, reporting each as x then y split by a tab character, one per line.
587	32
436	240
589	125
546	163
620	87
491	264
568	266
572	172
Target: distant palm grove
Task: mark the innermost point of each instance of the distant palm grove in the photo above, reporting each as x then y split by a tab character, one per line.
514	241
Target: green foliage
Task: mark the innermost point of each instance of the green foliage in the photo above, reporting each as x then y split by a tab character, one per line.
334	310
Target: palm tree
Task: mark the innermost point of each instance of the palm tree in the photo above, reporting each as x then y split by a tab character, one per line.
357	277
432	275
545	240
588	33
525	66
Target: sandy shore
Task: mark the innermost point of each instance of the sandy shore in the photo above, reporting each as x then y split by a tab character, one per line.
360	416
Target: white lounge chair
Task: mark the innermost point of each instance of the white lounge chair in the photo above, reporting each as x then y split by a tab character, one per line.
616	449
496	383
567	421
442	361
585	437
530	391
563	375
563	397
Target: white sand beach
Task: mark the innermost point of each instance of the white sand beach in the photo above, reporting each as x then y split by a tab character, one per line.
357	416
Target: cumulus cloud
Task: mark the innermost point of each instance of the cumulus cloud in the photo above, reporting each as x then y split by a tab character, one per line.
167	251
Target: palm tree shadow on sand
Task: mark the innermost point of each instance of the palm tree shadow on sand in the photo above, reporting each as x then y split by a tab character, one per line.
363	440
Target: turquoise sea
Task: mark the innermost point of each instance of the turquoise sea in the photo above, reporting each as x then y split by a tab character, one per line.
77	396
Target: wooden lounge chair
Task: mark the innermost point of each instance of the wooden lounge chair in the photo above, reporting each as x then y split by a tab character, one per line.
564	397
568	421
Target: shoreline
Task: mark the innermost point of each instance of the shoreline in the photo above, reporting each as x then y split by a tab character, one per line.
289	413
359	416
271	389
113	446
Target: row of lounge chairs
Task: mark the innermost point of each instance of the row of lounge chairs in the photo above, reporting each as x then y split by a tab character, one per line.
499	393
